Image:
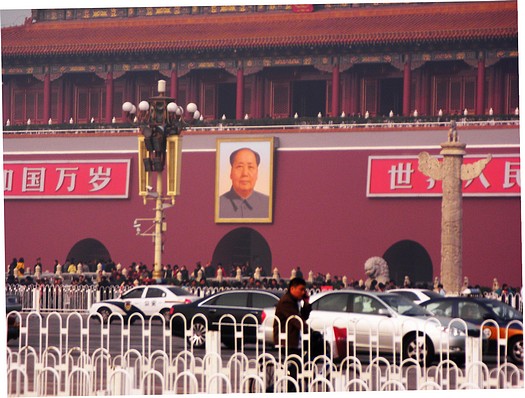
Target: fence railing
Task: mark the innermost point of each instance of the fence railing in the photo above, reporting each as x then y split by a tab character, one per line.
79	298
75	354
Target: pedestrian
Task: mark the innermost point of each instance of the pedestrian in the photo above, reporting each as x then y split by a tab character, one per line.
12	266
290	306
19	269
38	264
441	291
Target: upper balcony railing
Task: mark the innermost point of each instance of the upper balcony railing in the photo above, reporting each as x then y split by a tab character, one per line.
284	124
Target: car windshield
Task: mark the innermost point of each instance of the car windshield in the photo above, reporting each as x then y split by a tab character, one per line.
504	311
178	291
404	306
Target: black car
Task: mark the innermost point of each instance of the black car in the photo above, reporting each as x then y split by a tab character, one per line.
12	303
478	310
238	303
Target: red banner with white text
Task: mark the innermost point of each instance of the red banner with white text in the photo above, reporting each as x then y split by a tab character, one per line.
395	176
67	179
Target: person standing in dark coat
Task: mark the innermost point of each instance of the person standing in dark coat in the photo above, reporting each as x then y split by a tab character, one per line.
289	306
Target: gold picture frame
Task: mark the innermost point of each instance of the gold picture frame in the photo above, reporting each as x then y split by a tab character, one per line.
244	180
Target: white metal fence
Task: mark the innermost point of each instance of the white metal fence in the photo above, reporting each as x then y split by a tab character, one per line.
73	355
79	298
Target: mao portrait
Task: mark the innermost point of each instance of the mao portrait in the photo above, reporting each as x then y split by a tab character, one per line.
244	175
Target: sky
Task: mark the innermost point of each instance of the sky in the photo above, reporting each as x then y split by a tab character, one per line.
13	17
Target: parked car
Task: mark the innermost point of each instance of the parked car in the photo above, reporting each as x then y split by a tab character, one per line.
477	310
143	300
12	303
238	303
418	296
388	314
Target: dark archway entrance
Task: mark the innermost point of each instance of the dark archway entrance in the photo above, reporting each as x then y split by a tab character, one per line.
409	258
391	98
309	98
89	251
243	245
226	97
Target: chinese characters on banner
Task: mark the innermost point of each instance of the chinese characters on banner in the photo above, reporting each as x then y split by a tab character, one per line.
399	176
67	179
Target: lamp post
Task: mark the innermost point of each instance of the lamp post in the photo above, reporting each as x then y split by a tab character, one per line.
161	122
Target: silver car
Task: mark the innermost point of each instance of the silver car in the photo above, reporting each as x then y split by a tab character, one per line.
387	323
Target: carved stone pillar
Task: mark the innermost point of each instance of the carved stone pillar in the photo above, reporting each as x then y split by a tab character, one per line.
452	172
451	217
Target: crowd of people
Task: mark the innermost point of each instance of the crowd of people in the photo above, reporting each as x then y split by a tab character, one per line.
108	273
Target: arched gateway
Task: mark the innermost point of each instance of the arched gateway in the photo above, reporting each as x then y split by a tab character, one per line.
243	245
88	251
407	257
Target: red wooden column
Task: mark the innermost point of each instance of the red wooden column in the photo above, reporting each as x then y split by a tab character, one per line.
109	97
480	92
335	90
47	97
6	101
498	91
174	83
68	99
239	103
407	75
425	94
353	104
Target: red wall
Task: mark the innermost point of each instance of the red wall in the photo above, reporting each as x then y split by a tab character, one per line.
323	220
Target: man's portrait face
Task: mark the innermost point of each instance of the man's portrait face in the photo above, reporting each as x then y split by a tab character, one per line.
244	172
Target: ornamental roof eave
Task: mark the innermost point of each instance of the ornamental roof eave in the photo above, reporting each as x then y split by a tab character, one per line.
421	24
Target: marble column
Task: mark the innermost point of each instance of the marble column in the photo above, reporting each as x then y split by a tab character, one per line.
451	217
451	171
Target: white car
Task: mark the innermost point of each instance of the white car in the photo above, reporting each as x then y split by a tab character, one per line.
373	319
143	300
416	295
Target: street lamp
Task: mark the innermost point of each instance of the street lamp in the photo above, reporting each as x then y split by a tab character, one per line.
161	122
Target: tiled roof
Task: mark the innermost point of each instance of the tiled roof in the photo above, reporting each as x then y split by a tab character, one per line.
424	23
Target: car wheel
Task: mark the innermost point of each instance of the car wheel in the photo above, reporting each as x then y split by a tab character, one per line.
104	313
515	348
418	350
198	337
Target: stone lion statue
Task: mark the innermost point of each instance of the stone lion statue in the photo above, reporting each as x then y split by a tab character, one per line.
376	268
